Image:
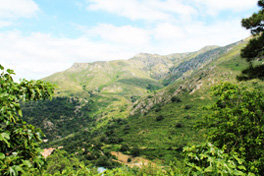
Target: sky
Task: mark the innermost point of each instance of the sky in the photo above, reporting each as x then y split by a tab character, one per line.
41	37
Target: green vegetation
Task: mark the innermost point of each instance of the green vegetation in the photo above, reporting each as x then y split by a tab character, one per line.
60	162
206	159
19	142
151	107
254	50
117	118
235	124
235	135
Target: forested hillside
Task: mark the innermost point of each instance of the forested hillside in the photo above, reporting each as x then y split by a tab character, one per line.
146	106
109	116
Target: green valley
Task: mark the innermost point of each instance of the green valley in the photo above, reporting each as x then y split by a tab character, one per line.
192	113
146	106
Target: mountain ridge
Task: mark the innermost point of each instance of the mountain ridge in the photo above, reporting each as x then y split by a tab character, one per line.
152	67
134	102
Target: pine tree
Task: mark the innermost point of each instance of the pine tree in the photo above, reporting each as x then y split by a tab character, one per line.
254	51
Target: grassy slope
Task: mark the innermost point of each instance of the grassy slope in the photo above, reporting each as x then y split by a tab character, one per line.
117	82
164	139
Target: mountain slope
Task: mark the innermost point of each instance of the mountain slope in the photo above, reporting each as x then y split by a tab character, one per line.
149	102
114	76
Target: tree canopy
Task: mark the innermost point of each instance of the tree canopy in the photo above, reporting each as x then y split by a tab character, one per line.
19	142
254	50
235	124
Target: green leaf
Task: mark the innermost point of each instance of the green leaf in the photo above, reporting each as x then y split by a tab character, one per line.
11	72
19	112
209	169
2	156
27	163
5	137
12	171
242	167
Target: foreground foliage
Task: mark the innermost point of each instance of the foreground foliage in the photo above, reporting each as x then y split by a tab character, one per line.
206	159
236	124
19	142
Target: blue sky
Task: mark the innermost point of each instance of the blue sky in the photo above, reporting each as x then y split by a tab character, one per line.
41	37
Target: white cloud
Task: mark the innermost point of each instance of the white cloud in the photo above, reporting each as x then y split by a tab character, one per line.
198	35
215	6
17	8
153	10
40	55
4	23
157	10
127	35
167	31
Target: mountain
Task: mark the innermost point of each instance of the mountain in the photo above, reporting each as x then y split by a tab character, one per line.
148	103
120	77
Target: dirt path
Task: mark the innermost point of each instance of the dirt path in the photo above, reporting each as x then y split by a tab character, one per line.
135	161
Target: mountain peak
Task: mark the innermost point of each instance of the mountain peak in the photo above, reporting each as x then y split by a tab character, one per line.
145	55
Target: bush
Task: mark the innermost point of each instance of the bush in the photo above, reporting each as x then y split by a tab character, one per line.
158	109
206	159
135	151
187	107
187	117
179	125
159	118
124	148
126	128
176	99
129	160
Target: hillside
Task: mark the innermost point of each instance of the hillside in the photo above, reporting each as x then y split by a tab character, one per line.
121	77
146	105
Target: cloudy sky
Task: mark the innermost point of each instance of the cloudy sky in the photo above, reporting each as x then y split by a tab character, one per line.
41	37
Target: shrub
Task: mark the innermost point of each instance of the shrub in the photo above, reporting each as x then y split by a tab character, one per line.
159	118
158	109
176	99
124	148
187	107
179	125
187	117
135	151
206	159
126	128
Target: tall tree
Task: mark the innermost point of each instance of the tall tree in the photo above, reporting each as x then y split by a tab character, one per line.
235	124
19	142
254	51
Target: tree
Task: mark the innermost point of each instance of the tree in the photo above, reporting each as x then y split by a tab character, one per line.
60	160
236	124
206	159
254	51
19	142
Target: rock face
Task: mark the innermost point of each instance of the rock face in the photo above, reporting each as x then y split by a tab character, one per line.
155	65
